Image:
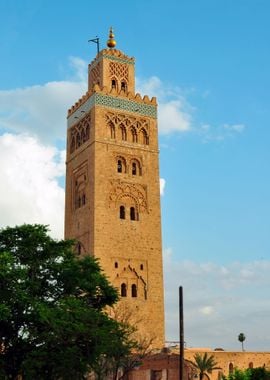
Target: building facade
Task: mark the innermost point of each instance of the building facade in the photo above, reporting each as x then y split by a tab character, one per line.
112	186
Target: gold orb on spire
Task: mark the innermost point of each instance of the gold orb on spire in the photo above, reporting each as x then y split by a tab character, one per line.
111	43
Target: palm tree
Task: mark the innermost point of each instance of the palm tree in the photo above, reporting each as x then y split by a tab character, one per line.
241	338
204	364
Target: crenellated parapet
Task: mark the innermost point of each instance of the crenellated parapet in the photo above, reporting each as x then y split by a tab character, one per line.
114	55
116	98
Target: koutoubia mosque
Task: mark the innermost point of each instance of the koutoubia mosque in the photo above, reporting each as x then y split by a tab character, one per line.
112	185
113	205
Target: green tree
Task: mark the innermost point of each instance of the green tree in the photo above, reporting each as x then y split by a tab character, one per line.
259	373
204	364
242	338
52	319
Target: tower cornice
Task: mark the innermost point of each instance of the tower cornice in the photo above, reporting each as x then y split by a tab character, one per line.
114	55
121	101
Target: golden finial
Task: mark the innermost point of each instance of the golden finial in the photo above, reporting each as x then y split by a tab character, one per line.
111	43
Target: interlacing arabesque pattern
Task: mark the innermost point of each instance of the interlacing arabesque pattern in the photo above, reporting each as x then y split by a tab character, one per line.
118	70
128	193
128	128
79	133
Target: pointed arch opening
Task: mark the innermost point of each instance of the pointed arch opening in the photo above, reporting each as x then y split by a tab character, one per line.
121	165
78	140
144	137
122	212
114	84
134	168
132	213
123	86
134	136
123	132
123	290
133	290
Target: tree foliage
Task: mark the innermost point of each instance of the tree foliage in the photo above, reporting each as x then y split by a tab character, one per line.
204	364
259	373
52	319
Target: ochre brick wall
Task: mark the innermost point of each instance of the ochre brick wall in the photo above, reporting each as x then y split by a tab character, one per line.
235	359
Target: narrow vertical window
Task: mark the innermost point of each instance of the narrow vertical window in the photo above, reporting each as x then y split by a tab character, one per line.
122	212
230	368
134	135
123	290
133	290
112	131
116	264
134	168
119	166
141	266
79	248
123	133
113	84
123	86
78	140
132	213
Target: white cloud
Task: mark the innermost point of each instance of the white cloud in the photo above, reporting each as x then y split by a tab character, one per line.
220	132
206	310
162	183
174	113
219	302
29	191
41	110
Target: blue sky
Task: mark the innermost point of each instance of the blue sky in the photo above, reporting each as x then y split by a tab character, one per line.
208	64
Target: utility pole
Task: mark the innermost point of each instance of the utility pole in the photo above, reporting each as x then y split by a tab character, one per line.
181	335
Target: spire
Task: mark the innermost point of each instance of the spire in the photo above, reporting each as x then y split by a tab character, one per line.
111	43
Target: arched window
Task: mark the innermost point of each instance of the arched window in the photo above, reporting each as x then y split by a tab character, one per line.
113	84
122	212
250	365
112	130
123	86
145	139
119	166
83	136
133	290
123	132
134	135
134	168
132	213
230	368
116	264
78	140
141	267
123	290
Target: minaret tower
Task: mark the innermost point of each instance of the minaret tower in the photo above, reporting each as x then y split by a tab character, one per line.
112	186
